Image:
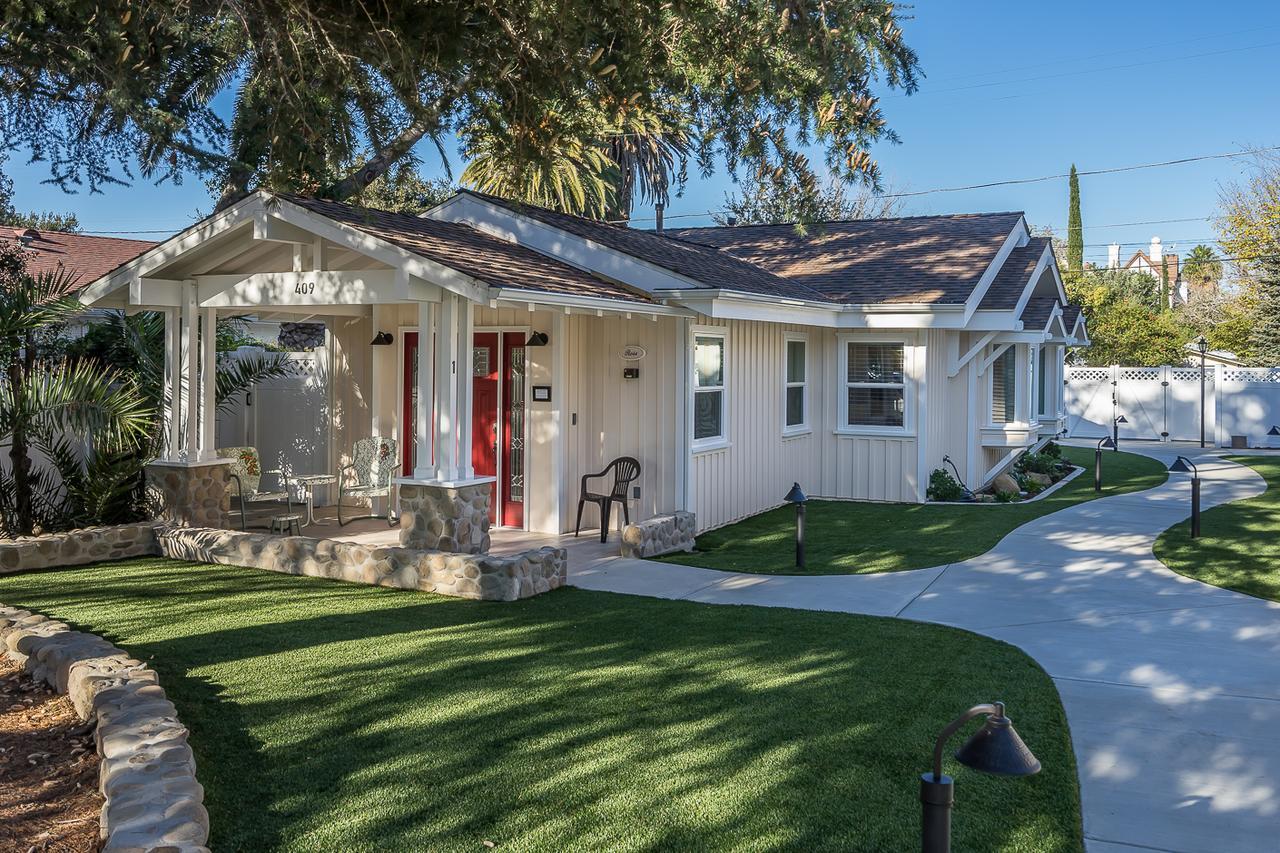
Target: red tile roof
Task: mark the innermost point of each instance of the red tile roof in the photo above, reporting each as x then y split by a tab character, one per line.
84	256
920	259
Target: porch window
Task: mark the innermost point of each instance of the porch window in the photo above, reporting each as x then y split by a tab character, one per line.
796	386
708	388
876	384
1003	383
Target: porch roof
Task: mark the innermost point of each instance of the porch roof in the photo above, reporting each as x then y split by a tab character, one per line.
498	263
1011	281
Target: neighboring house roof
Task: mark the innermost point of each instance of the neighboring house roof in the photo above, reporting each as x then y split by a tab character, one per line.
494	261
83	256
1011	281
1038	312
705	265
922	259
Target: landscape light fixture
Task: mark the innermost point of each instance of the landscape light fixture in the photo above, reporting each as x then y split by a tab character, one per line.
966	492
537	339
1115	431
1182	465
995	749
1273	437
1203	346
382	339
799	498
1097	461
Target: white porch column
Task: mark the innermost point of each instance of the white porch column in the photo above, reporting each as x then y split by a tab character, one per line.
208	382
424	467
462	374
173	381
446	418
190	344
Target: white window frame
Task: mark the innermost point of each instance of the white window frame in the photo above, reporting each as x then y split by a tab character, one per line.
700	445
843	427
991	421
1042	373
805	426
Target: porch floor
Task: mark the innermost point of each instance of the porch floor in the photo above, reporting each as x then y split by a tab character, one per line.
585	550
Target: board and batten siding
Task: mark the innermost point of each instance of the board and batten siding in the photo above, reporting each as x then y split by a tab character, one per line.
759	464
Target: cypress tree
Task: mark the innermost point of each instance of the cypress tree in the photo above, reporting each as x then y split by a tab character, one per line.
1264	340
1075	231
1166	298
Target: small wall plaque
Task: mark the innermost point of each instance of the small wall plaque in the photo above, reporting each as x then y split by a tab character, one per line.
630	373
633	352
542	393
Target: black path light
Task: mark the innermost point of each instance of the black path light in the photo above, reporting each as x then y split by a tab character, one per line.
1182	465
799	498
1115	431
1097	461
1203	346
995	748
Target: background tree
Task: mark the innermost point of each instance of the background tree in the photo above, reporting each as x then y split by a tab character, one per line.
404	190
1225	318
1166	295
1202	268
93	88
1075	229
1249	215
39	220
772	199
1264	340
1126	321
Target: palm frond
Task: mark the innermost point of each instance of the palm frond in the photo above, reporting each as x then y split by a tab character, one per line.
239	374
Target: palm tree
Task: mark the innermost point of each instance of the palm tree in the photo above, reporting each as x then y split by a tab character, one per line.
1203	267
82	417
638	155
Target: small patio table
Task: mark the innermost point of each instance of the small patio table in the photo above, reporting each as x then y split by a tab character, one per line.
309	482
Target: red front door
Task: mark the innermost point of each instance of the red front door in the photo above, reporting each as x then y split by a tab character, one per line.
484	408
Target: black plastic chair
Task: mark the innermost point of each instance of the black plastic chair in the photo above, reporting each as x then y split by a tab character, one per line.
625	471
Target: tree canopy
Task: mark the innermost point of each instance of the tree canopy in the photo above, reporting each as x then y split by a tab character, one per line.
46	220
800	199
1125	318
329	95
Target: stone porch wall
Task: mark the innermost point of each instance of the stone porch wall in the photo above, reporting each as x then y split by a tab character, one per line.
477	576
147	775
444	518
662	534
191	494
77	547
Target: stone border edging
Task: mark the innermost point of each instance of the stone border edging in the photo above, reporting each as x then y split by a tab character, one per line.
147	775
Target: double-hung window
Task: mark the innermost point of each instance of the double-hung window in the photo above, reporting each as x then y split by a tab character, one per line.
875	381
1003	385
796	386
1042	382
708	389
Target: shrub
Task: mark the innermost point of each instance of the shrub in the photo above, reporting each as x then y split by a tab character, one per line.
943	487
1040	463
1006	497
1052	449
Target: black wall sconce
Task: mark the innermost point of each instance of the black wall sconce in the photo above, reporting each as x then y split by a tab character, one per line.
537	339
382	339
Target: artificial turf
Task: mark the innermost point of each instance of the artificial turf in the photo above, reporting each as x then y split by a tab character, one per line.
331	716
1238	547
857	538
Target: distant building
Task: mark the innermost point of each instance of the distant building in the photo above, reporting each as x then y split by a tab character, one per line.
1152	262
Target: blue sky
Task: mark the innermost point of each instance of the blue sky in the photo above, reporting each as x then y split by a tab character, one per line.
1013	90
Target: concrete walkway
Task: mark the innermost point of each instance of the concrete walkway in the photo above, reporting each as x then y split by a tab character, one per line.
1172	687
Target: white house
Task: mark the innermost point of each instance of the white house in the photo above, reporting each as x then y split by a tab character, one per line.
729	361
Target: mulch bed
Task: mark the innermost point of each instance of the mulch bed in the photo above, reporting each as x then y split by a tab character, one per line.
48	769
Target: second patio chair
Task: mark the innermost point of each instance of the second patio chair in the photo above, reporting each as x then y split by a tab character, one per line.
374	463
246	476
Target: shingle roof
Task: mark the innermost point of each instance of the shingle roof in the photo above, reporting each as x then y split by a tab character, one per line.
1011	281
1070	313
83	256
691	259
1035	316
496	262
923	259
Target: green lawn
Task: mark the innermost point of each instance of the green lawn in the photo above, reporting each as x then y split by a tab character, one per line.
1238	546
857	538
331	716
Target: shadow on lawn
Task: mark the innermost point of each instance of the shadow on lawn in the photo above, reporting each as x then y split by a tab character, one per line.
333	716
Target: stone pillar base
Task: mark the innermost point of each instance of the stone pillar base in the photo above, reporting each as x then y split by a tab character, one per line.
445	517
191	494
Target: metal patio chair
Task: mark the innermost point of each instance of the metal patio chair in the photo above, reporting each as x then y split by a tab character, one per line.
625	471
374	463
246	475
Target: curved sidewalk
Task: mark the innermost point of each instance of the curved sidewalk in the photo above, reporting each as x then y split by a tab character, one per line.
1171	687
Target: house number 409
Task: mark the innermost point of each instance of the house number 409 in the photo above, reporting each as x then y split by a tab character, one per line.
306	288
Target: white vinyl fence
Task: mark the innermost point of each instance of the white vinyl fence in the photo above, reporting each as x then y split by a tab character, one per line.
286	419
1163	403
